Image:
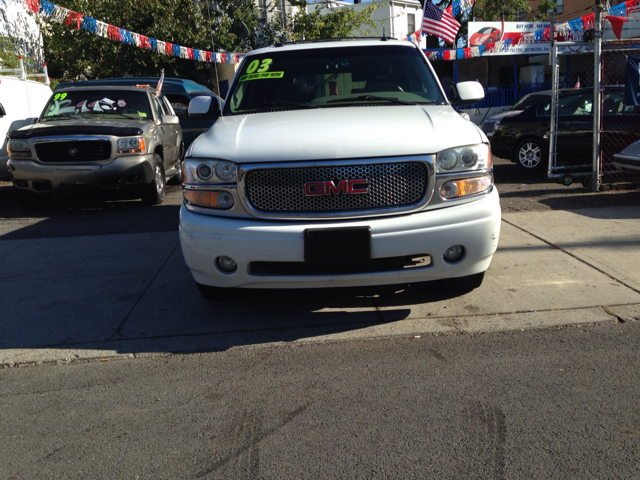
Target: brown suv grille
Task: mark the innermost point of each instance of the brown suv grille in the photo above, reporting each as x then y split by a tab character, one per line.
282	190
61	152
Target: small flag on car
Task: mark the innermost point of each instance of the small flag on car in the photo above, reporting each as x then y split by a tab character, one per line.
159	87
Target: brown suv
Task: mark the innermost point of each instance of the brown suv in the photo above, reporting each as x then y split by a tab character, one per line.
98	138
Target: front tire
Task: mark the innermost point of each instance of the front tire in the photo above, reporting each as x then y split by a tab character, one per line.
531	155
154	192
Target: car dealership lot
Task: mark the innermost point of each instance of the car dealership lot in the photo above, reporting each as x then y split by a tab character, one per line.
109	280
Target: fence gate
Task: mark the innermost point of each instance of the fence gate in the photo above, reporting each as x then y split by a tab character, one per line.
605	121
619	122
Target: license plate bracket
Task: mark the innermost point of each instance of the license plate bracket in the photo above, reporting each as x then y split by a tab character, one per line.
348	244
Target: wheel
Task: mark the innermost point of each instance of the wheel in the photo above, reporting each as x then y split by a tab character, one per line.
33	201
153	193
567	180
531	155
214	293
465	284
586	182
177	178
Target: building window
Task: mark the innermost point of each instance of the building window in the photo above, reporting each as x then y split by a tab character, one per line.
411	23
559	6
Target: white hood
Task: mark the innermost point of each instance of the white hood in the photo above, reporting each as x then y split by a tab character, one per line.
336	133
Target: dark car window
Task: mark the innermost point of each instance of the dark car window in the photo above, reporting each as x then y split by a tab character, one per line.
333	77
180	103
580	104
92	103
543	108
569	105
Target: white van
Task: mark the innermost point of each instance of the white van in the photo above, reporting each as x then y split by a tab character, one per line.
21	102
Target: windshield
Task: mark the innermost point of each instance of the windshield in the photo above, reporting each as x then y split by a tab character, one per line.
333	77
121	104
529	100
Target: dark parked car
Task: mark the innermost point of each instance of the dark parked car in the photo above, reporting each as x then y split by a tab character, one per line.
177	91
524	138
628	160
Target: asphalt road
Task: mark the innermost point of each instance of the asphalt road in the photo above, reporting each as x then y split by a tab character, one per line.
555	403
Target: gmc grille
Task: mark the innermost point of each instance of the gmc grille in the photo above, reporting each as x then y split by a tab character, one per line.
281	190
87	151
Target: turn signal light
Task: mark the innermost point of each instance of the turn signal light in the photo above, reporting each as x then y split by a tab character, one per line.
222	200
465	187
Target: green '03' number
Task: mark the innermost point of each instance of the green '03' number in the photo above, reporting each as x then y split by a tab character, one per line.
264	66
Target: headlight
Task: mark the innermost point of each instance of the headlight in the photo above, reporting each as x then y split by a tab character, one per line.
18	148
464	159
211	172
130	145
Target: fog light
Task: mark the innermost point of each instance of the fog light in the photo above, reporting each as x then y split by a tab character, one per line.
225	200
226	264
454	253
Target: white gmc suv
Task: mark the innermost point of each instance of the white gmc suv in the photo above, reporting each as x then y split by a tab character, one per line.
338	164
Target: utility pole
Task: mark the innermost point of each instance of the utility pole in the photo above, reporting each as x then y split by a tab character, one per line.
596	176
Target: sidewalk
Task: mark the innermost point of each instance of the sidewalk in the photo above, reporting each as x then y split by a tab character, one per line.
128	295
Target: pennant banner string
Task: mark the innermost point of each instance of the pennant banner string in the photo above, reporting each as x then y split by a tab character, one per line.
58	14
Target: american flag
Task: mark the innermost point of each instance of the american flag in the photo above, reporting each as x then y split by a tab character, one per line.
577	83
439	23
160	82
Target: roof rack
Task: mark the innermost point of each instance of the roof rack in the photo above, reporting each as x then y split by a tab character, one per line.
22	72
321	40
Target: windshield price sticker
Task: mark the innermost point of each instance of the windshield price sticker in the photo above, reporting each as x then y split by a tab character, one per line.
260	69
256	76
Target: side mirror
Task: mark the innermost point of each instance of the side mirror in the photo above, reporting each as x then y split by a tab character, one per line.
466	93
2	111
170	120
204	107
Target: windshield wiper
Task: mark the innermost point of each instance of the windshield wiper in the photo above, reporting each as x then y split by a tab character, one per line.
371	97
275	103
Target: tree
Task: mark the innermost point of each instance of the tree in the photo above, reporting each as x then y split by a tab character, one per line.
511	10
326	20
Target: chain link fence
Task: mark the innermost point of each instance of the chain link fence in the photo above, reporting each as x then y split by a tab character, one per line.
619	122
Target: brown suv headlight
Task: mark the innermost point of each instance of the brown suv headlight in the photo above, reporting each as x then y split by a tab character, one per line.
126	146
18	149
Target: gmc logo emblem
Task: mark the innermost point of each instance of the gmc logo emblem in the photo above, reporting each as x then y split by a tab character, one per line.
329	187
